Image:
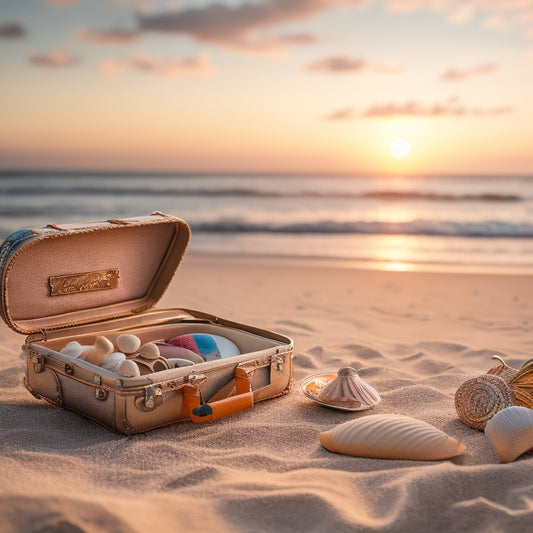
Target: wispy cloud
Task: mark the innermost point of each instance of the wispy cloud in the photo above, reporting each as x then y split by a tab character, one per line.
11	30
450	108
110	36
500	15
238	25
345	64
54	60
464	74
197	66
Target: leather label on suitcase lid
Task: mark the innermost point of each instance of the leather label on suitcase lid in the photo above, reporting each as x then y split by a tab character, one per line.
86	281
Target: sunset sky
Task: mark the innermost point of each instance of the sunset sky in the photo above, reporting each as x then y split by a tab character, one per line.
321	86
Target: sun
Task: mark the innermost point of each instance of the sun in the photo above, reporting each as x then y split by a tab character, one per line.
400	148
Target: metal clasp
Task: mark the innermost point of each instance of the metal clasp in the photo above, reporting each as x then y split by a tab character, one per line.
153	397
100	394
279	360
38	361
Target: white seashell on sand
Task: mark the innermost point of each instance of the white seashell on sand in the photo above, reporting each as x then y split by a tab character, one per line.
129	369
511	432
350	390
391	437
128	344
149	351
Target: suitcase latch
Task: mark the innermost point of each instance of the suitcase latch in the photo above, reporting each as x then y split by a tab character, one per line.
153	397
38	361
279	360
100	394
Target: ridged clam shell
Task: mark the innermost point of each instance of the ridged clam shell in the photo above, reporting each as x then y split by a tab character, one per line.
348	388
112	361
478	399
511	432
391	437
129	369
127	343
74	349
149	351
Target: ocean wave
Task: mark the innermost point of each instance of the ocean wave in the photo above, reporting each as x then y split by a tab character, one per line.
72	190
414	227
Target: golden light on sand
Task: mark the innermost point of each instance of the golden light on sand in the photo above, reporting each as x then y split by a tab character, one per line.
400	148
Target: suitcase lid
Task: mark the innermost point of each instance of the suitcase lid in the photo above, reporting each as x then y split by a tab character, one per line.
73	274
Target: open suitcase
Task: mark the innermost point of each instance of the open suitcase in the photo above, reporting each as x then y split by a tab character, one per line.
79	281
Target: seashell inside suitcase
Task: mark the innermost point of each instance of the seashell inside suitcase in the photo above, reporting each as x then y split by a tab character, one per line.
77	283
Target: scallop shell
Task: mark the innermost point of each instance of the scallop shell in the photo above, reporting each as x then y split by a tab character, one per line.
129	369
127	343
511	432
112	361
478	399
344	390
149	351
74	349
391	437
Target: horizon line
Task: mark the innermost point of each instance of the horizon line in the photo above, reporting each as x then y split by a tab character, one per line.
4	172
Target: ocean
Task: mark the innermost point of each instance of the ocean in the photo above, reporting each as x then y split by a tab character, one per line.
433	223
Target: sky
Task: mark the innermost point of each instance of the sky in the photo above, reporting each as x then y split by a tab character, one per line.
267	86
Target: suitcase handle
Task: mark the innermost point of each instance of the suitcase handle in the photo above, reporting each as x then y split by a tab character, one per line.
197	412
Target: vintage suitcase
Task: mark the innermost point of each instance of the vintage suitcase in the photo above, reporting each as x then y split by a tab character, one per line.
78	281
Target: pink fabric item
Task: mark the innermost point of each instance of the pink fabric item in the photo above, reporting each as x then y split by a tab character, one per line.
185	341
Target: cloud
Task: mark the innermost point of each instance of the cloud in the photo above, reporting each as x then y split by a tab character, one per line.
342	114
463	74
54	60
198	66
237	25
110	36
499	15
11	30
450	108
343	64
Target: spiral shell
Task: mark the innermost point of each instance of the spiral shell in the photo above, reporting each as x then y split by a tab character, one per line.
511	432
391	437
478	399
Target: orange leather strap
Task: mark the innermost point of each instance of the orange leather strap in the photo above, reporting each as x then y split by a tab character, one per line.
197	412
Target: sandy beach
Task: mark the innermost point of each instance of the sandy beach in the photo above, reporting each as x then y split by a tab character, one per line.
415	337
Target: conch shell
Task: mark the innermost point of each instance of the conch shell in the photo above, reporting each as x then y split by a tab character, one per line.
343	390
391	437
478	399
511	432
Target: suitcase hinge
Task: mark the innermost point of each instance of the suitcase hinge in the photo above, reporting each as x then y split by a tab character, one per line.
38	361
279	360
101	394
153	397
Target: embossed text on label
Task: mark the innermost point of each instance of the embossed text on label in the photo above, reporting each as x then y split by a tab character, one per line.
84	282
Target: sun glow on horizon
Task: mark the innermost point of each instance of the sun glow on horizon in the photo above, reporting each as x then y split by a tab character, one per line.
400	148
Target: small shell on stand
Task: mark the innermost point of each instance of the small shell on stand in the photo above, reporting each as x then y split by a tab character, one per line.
344	390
